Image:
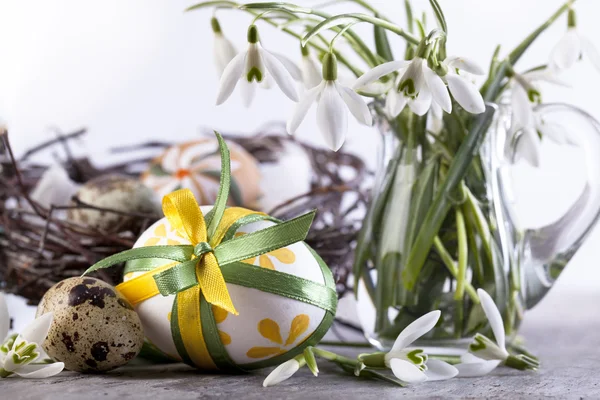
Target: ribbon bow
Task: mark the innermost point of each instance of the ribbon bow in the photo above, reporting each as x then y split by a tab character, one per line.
200	263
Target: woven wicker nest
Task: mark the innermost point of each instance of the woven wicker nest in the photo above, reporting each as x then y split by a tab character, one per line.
38	248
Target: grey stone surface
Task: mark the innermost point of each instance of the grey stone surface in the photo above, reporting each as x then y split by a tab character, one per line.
563	331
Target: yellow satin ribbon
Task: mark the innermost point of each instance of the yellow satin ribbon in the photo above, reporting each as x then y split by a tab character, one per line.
183	212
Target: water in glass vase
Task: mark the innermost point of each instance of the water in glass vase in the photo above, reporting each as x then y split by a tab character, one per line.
440	226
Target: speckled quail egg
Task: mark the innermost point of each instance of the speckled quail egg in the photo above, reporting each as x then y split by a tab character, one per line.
113	192
95	329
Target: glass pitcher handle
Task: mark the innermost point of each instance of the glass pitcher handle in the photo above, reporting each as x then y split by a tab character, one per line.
546	250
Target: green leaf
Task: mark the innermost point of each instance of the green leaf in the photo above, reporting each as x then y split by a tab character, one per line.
382	43
409	16
439	15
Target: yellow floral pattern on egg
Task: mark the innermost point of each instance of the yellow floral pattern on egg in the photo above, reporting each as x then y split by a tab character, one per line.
269	329
220	316
283	255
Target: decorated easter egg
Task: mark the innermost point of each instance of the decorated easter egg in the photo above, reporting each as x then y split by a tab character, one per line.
285	301
113	192
196	166
95	329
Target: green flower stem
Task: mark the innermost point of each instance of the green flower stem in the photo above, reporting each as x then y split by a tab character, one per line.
333	21
452	268
336	358
481	223
463	251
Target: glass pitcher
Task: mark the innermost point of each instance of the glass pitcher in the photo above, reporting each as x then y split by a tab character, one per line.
516	265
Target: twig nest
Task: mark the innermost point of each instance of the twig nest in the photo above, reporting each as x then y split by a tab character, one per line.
95	329
196	165
110	193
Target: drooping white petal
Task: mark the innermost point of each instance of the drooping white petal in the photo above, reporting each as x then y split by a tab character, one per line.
590	51
377	72
395	103
553	131
230	77
332	117
4	318
549	75
302	107
464	64
493	315
282	372
567	51
413	80
528	146
438	89
522	110
40	371
289	65
435	121
280	74
438	370
224	52
37	330
465	93
416	329
248	90
406	371
356	105
311	74
466	370
422	103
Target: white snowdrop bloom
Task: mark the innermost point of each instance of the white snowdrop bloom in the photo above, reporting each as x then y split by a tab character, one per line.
310	70
334	100
573	46
22	354
525	121
223	49
484	354
254	66
462	87
419	86
412	365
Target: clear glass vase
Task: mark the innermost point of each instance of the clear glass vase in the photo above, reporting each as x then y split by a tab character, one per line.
478	244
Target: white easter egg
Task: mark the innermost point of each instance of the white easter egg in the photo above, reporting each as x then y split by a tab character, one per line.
270	328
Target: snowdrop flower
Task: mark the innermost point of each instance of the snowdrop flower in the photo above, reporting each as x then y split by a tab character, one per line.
413	365
223	49
310	71
572	46
525	95
484	354
253	67
284	371
333	99
418	86
22	354
461	86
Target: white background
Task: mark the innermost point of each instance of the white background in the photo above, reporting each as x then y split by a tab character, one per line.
142	69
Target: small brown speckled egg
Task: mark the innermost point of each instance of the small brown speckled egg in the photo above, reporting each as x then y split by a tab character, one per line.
95	329
113	192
